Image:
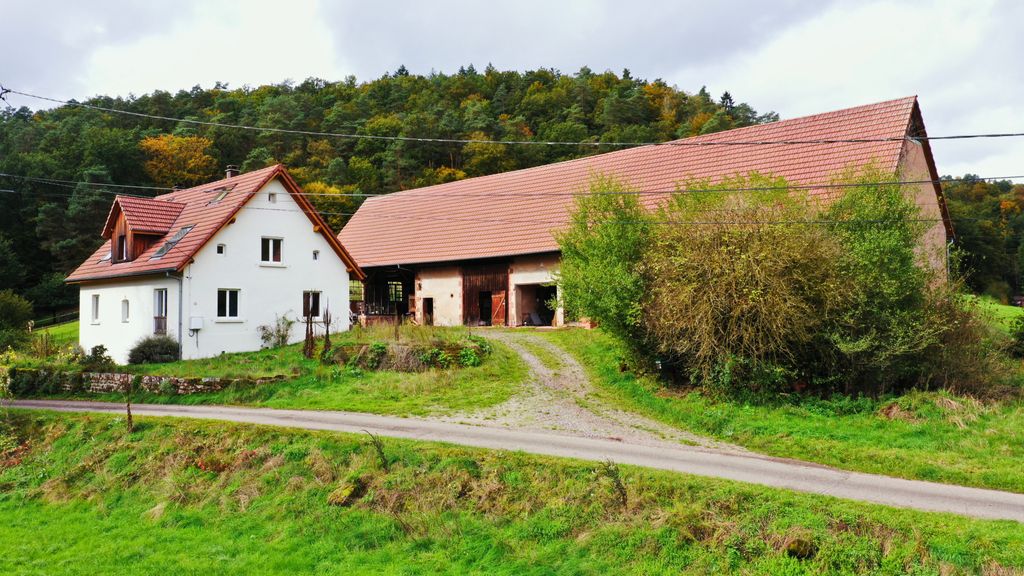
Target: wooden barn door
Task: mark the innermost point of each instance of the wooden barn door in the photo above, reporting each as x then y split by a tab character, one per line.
498	308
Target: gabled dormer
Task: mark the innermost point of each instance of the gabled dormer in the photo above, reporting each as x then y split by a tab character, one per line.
136	224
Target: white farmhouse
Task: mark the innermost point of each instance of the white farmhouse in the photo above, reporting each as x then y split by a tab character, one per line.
209	265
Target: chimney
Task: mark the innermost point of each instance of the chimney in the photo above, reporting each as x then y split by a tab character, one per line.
231	171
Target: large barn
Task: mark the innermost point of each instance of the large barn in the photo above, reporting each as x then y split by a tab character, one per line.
483	250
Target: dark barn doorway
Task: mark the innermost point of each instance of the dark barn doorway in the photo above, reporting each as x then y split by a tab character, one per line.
428	311
484	289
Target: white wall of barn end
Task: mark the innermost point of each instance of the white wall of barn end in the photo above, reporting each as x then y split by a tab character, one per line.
444	285
266	291
914	166
109	329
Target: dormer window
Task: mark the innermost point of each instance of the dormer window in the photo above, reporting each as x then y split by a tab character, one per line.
122	248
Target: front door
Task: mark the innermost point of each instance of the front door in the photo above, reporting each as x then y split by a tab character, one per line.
498	308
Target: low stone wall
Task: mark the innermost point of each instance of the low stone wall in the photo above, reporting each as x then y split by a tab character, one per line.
31	381
103	382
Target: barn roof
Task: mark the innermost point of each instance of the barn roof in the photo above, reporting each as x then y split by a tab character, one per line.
201	212
516	213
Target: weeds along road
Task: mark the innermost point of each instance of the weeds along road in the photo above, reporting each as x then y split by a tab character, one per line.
701	461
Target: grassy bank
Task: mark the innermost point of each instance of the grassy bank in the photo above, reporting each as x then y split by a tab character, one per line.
80	496
312	385
926	436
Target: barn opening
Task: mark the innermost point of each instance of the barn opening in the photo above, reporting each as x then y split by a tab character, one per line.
534	304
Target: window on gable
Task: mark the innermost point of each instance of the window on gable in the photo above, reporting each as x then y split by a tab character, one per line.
311	304
272	198
227	303
124	310
270	249
316	254
221	249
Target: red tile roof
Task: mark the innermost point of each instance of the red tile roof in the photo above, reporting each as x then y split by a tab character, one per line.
201	210
516	212
144	215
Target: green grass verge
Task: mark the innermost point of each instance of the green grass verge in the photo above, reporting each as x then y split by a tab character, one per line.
62	334
999	315
312	385
80	496
926	436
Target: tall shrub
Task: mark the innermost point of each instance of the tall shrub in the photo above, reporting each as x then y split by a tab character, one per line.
601	251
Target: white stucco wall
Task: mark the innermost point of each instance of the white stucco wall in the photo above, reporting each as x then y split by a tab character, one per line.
914	166
444	285
119	337
265	290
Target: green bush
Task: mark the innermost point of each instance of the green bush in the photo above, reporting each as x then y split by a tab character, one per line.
25	382
468	357
765	290
154	350
15	312
97	360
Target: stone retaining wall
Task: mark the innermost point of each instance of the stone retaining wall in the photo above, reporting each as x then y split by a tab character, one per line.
103	382
33	381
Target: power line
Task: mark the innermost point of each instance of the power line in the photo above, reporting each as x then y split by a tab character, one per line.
686	142
436	194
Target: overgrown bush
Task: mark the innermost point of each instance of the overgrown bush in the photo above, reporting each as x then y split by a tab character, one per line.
97	360
15	312
277	334
154	350
751	286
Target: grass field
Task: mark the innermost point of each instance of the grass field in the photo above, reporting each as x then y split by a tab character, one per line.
929	436
80	496
312	385
1001	315
63	334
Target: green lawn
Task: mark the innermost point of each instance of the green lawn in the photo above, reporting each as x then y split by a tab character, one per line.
312	385
932	436
1000	315
188	497
63	334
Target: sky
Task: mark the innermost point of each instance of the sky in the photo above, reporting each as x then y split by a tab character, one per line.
962	58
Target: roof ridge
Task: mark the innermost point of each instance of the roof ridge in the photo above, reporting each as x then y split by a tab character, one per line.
589	157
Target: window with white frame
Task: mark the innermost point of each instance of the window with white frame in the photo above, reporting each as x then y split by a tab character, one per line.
95	307
270	250
227	303
160	311
222	249
124	310
311	304
272	198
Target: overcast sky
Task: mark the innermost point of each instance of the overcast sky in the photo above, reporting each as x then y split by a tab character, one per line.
962	58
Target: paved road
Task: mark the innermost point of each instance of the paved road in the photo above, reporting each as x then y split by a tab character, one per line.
747	467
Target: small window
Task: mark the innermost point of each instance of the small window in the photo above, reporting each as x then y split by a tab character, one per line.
395	291
311	304
221	249
272	198
160	311
95	307
124	310
270	250
316	254
122	248
227	303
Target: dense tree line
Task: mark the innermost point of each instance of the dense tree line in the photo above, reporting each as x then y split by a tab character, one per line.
989	222
47	229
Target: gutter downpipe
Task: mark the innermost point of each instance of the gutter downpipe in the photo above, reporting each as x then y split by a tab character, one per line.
180	309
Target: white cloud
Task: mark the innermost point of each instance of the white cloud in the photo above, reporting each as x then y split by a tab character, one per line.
956	56
239	42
